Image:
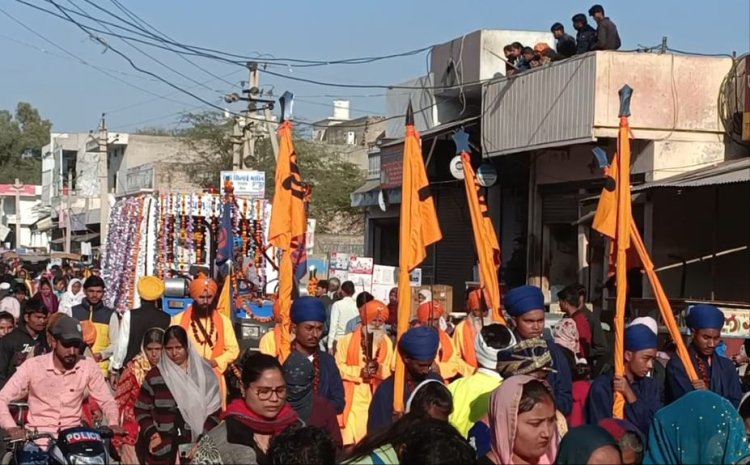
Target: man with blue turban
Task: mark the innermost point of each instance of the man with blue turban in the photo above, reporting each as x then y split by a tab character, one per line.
642	392
308	322
418	348
716	374
525	306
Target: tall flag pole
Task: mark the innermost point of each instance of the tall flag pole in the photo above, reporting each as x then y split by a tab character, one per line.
614	219
418	229
485	238
288	219
225	251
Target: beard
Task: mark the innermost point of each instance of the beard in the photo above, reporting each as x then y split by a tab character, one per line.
378	333
202	311
69	361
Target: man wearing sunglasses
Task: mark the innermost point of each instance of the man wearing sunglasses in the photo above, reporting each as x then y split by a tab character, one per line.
56	383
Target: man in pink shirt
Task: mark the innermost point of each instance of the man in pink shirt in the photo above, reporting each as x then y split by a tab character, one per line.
56	383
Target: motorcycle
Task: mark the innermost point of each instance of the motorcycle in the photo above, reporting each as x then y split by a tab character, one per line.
80	445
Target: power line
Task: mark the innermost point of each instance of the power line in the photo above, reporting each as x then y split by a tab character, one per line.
160	62
205	52
84	62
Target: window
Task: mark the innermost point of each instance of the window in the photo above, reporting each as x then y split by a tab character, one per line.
373	166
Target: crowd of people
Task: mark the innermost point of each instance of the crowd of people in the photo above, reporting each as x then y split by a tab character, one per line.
179	390
519	57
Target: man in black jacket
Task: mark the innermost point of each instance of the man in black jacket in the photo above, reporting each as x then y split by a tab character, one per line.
585	35
29	339
607	37
566	45
137	321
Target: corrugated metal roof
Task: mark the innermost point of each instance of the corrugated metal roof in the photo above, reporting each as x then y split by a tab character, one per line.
544	107
726	172
436	131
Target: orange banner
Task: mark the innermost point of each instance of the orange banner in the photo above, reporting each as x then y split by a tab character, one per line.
288	225
419	229
485	240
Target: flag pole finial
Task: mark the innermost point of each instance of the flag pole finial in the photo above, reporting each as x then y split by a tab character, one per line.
409	115
287	102
461	139
625	95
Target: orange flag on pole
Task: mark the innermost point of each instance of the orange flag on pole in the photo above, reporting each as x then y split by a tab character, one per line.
485	238
288	223
613	218
418	230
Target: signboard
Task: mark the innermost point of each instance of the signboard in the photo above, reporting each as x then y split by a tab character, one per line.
247	183
139	177
736	323
392	167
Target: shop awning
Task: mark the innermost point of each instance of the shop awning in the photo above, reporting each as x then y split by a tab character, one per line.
80	238
436	131
726	172
367	194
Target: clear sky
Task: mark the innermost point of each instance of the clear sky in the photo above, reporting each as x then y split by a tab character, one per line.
73	95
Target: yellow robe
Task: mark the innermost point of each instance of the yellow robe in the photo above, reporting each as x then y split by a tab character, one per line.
454	366
471	398
267	344
356	425
231	348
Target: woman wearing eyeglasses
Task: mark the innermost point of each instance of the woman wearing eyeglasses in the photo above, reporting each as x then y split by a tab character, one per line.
252	422
179	401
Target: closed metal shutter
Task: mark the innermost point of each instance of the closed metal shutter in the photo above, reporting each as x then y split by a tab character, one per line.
454	255
559	208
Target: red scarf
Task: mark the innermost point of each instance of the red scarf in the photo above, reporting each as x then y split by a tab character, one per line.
238	410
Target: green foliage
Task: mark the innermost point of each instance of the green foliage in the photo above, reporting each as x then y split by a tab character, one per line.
210	151
22	136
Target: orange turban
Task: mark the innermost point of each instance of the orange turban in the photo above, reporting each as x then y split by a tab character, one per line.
429	310
476	296
200	284
374	310
541	47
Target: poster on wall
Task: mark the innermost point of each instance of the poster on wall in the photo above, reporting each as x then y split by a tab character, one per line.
339	261
360	265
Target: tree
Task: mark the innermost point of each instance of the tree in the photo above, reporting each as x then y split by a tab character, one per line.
22	136
334	179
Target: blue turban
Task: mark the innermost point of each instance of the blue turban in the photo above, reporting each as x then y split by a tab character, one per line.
420	343
704	316
639	337
523	299
308	309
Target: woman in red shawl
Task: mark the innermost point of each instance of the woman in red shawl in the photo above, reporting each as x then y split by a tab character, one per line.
128	388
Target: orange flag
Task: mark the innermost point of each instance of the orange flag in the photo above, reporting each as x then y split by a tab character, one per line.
288	226
419	229
614	219
485	239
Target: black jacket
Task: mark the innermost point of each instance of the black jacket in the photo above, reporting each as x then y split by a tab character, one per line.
16	347
566	46
607	37
141	320
585	39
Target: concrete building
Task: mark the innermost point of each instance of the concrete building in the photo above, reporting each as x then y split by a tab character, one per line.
538	130
351	138
33	234
71	182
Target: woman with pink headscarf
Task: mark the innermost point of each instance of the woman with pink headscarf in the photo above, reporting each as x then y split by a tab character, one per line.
523	423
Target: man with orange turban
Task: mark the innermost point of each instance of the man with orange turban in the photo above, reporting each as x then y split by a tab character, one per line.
211	331
449	363
364	358
465	334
